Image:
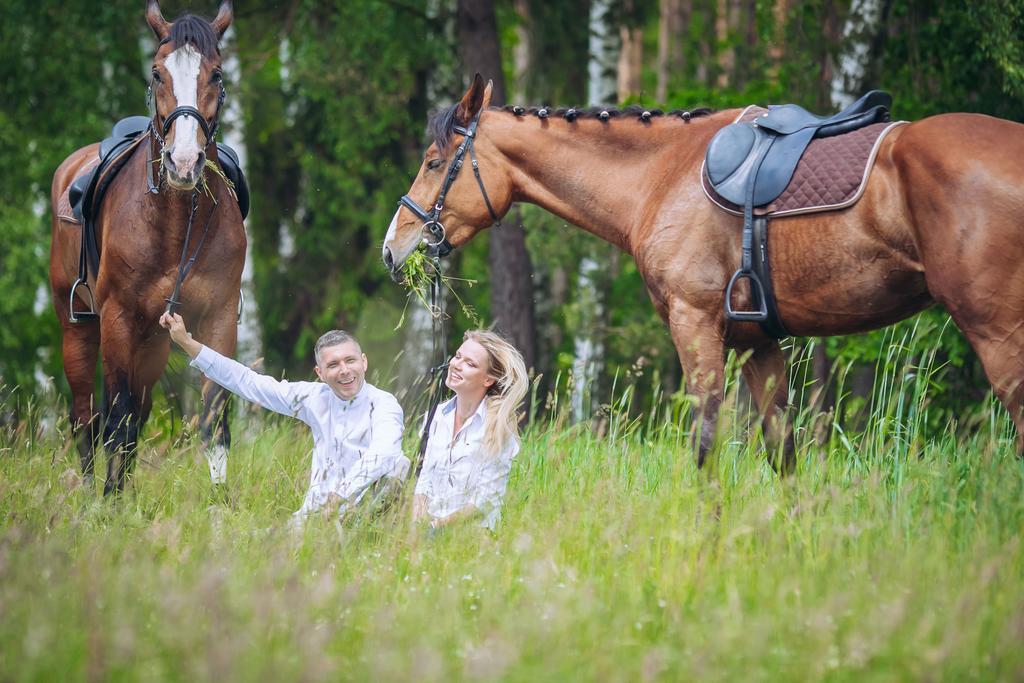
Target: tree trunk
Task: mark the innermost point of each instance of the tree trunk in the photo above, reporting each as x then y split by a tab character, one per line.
858	34
522	51
249	344
601	67
631	61
673	22
777	51
745	23
830	34
588	345
511	271
510	267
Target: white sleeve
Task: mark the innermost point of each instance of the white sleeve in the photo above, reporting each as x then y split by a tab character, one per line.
383	457
287	398
488	486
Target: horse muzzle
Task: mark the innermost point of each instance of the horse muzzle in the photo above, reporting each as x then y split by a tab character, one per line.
186	175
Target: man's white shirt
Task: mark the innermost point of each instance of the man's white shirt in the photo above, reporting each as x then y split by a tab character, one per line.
355	442
456	470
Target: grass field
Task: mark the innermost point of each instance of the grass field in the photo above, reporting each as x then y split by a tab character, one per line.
886	557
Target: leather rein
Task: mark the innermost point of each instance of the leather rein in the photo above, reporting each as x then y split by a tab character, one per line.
438	247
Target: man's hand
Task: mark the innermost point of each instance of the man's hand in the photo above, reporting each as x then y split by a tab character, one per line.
176	326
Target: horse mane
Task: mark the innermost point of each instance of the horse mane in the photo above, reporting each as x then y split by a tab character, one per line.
189	29
442	124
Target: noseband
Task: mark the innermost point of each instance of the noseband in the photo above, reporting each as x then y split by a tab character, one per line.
209	127
433	230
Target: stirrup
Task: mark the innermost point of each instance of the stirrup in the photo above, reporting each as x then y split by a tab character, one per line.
82	316
756	292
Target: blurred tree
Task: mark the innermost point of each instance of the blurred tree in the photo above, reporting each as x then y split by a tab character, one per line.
69	71
334	97
337	105
511	273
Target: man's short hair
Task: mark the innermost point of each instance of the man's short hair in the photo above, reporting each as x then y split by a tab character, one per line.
333	338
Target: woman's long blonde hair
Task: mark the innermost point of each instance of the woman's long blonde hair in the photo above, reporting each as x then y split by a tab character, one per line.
503	397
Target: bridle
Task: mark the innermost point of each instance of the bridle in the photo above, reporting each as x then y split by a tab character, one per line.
434	235
209	129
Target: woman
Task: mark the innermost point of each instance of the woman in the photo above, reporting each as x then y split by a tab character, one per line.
474	435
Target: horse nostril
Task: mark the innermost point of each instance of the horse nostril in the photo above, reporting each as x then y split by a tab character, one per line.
389	260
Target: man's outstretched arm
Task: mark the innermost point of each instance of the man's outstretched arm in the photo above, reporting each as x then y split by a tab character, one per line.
281	397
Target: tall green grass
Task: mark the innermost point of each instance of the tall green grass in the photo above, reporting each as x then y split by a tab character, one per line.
894	553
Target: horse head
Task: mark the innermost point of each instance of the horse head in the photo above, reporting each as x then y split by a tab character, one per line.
459	205
188	90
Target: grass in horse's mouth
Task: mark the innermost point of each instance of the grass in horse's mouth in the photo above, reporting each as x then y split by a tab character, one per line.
216	170
417	275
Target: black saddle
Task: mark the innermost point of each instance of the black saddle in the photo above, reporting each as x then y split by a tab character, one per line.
86	197
124	132
228	159
751	163
762	155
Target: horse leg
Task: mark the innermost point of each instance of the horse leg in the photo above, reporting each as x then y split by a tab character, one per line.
765	372
80	346
220	334
130	369
702	356
1003	361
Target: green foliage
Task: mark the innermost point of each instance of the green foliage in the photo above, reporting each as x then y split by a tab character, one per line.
69	73
352	130
949	56
334	99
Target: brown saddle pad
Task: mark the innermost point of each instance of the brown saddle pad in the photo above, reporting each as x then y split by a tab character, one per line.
831	175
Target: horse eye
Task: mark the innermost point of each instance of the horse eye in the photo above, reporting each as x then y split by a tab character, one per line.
156	76
434	163
216	77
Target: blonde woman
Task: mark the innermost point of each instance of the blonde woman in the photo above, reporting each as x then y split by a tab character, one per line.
474	435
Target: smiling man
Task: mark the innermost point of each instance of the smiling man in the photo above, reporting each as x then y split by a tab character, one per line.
357	428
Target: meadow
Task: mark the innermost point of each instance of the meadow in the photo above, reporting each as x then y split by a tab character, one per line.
890	555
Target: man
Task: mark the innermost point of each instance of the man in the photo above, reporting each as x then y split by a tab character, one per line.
357	428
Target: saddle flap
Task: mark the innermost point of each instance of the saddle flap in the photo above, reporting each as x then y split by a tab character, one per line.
228	159
779	165
749	161
727	151
77	191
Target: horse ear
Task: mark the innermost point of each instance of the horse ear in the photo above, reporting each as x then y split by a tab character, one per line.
473	100
223	19
488	91
156	20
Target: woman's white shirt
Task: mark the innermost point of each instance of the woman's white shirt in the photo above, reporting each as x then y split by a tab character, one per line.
456	470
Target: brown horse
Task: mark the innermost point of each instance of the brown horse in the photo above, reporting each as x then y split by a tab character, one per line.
940	221
141	235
